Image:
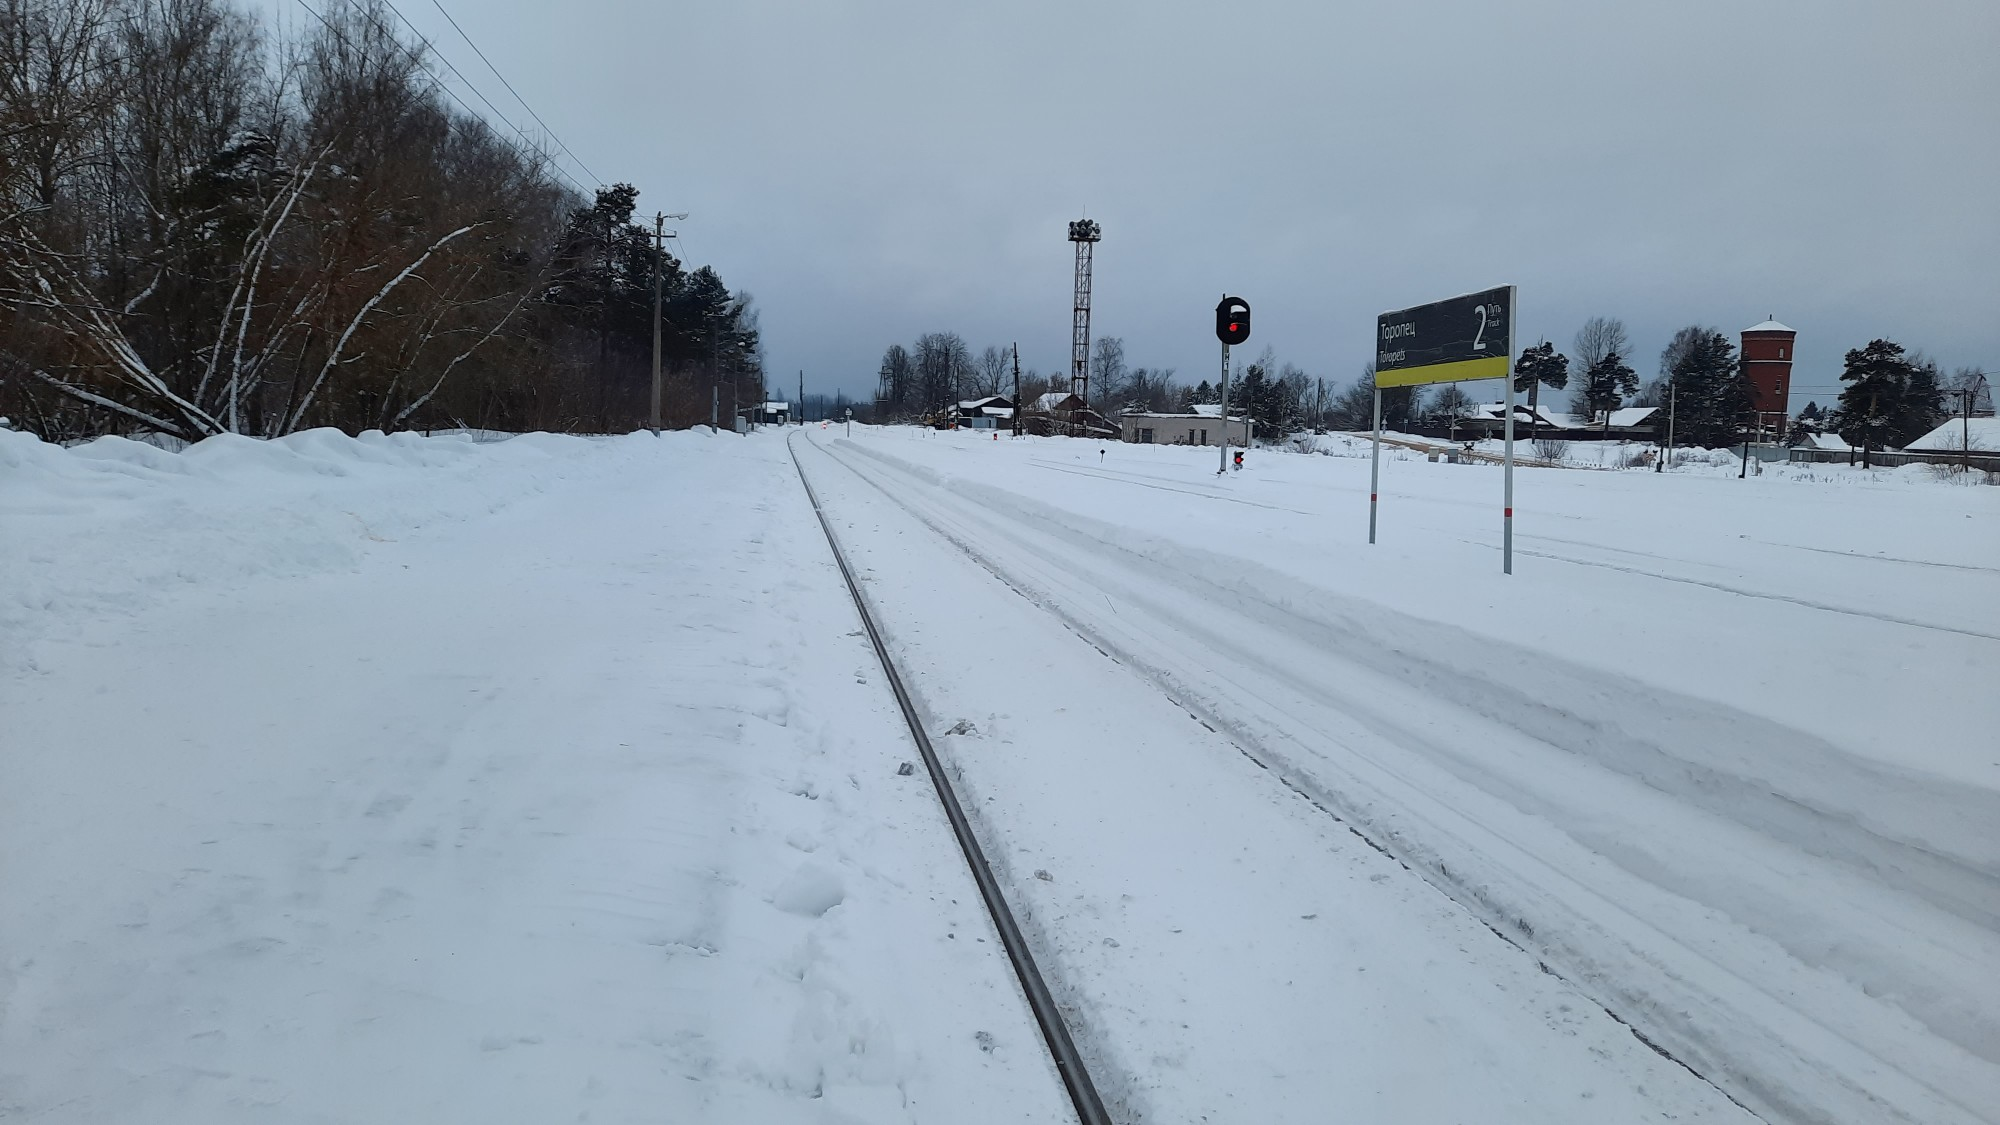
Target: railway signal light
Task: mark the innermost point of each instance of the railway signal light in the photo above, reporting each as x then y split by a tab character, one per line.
1232	320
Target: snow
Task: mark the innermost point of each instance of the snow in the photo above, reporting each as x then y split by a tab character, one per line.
1768	326
1742	793
1985	434
395	779
1632	415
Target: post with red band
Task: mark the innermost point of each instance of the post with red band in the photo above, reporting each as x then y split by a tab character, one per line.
1375	466
1507	520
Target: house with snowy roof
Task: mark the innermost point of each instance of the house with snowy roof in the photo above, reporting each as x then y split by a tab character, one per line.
1629	423
1957	434
1064	414
990	412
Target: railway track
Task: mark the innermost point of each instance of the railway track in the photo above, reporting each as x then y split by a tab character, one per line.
1048	1017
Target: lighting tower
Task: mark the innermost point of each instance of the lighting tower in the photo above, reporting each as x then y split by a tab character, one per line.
1085	233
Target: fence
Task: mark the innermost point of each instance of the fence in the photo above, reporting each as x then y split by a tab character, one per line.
1882	459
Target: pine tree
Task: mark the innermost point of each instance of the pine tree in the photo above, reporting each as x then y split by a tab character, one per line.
1922	407
1888	401
1262	400
1204	394
1711	392
1606	384
1538	365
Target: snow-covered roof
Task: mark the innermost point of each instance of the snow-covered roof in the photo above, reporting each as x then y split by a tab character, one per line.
1821	441
997	411
1769	326
1984	432
1198	406
1632	415
777	407
1497	412
1051	400
977	403
1206	409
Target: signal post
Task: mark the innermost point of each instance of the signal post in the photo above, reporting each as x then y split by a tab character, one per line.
1232	326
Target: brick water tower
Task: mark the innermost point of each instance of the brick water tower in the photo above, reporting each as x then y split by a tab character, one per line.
1767	360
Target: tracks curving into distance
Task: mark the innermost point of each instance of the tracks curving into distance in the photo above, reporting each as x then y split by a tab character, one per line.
1055	1033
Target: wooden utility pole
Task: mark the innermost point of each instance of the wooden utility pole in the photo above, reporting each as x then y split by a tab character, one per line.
659	241
659	266
604	329
802	396
1017	390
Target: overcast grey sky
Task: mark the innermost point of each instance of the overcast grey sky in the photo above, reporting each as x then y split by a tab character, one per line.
875	170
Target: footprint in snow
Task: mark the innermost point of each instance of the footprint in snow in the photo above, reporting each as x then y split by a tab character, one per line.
811	891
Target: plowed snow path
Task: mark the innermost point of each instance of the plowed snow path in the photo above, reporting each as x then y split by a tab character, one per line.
1813	930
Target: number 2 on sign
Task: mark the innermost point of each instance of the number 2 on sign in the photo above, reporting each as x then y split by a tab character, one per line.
1479	338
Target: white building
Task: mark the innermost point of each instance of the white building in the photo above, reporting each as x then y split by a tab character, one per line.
1203	425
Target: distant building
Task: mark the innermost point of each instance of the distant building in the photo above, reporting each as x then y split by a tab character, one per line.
1768	351
991	412
1199	427
771	413
1982	434
1062	414
1627	423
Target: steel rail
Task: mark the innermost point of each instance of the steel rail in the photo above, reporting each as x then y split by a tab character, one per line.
1055	1033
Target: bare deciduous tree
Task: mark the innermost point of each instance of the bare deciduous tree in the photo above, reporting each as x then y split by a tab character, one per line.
1600	336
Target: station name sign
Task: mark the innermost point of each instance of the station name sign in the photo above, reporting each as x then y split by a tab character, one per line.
1450	341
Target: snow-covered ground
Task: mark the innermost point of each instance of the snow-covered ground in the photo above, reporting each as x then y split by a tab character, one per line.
1721	753
406	780
423	779
1638	456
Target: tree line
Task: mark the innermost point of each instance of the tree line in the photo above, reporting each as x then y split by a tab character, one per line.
1890	397
925	382
205	228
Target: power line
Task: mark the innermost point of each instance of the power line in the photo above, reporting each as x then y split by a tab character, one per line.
436	83
460	75
431	48
517	94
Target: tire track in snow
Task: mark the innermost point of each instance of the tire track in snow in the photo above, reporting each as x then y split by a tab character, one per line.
1740	592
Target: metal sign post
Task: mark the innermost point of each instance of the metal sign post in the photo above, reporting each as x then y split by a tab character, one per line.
1375	467
1507	519
1459	340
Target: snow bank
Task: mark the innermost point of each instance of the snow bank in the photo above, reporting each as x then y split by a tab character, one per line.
231	508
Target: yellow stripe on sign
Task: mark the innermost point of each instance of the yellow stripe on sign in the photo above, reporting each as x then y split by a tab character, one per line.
1461	371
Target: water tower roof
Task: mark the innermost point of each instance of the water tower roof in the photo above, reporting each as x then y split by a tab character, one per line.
1769	326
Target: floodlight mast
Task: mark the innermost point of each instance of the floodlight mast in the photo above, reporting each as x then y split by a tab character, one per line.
1086	234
